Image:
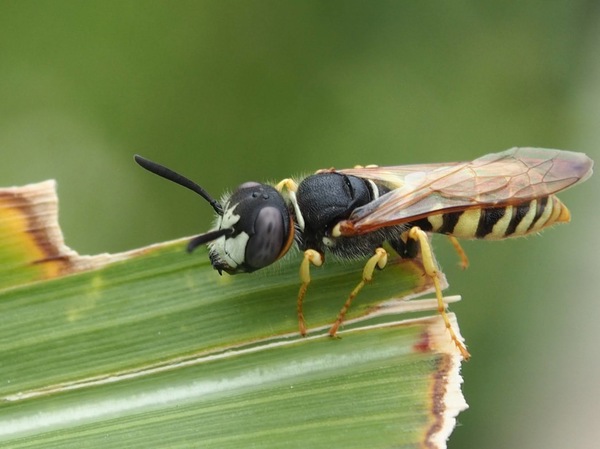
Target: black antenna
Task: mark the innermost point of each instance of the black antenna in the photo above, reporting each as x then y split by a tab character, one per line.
169	174
208	237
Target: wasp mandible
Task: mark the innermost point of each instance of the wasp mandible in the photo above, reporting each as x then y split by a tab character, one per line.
352	213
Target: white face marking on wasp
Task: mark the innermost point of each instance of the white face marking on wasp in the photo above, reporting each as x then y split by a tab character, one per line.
231	250
229	218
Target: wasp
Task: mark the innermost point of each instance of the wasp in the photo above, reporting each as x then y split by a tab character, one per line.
352	213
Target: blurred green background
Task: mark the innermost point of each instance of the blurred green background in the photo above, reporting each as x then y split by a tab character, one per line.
230	91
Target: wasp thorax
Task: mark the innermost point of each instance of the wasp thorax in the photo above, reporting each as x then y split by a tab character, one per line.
259	227
324	200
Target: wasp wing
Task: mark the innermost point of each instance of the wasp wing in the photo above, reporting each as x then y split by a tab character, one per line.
394	176
495	180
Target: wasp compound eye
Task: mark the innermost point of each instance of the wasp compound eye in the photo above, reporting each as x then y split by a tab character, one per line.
269	237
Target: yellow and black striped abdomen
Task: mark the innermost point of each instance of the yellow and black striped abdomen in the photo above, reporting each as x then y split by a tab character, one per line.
498	222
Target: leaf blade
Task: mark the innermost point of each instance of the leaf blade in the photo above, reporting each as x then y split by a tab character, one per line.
108	330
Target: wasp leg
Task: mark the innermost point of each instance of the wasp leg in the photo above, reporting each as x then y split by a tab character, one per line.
310	256
464	260
429	265
377	260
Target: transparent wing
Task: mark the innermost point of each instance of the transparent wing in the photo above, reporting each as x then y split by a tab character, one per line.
498	179
394	176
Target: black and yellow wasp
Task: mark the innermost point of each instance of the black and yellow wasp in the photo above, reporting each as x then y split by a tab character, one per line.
353	213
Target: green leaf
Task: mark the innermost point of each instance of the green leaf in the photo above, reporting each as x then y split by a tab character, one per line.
151	348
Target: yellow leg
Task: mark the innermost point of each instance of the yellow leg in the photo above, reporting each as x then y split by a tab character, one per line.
379	260
310	256
429	265
464	260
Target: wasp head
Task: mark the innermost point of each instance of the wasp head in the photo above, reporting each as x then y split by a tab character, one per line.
253	230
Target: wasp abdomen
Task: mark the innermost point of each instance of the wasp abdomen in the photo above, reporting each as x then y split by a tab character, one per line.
495	223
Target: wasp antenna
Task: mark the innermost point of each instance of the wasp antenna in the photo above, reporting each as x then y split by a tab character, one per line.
175	177
205	238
